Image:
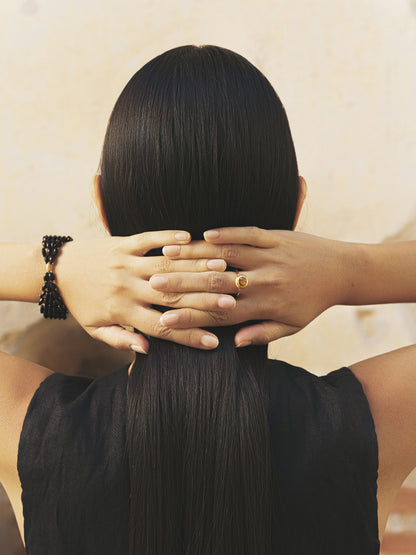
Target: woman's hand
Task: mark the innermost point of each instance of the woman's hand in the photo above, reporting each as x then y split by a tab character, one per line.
105	285
292	278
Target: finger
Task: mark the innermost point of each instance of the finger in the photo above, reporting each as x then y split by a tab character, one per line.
147	266
181	282
253	236
197	249
144	242
263	333
238	256
197	300
192	318
141	294
148	320
121	339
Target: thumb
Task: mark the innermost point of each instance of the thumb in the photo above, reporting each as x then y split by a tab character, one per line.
263	333
120	338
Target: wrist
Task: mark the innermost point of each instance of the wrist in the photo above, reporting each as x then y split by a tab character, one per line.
379	273
35	271
21	271
353	261
388	273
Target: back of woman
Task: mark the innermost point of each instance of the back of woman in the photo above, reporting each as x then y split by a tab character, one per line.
75	471
189	451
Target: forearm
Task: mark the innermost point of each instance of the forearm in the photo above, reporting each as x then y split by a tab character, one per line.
21	271
378	274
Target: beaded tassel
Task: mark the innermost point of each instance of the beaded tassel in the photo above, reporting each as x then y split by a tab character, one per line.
51	303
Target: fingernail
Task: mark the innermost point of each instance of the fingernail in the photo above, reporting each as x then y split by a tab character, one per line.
138	349
182	236
209	341
169	319
226	302
244	343
218	265
171	250
158	282
212	234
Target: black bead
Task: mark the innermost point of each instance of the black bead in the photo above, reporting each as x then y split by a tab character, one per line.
51	303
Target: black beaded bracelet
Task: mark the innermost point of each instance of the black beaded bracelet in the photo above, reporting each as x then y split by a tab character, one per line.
51	303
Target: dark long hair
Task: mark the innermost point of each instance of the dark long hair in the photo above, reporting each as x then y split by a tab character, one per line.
198	139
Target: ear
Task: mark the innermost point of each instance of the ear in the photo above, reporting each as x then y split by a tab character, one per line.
96	196
301	199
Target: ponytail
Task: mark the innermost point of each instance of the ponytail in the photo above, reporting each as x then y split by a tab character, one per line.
199	450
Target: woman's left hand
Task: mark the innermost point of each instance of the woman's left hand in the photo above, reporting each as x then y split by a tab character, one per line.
105	285
293	277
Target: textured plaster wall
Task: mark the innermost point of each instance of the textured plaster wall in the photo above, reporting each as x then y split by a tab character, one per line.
345	71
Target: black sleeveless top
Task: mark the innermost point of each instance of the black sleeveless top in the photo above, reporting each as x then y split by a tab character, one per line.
74	473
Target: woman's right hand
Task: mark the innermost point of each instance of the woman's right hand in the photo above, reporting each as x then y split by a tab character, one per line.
293	277
105	285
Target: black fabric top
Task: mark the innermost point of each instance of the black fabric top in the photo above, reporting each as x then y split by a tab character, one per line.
74	473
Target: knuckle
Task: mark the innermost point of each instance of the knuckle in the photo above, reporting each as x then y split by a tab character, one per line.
215	282
254	231
113	246
270	278
143	238
229	252
159	330
187	316
191	338
171	299
219	317
118	284
264	309
137	243
116	259
264	339
112	308
163	265
264	336
201	264
117	344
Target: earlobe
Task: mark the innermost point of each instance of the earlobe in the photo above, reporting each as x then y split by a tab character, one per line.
96	195
301	199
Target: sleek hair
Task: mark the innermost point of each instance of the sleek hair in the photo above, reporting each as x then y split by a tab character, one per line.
199	139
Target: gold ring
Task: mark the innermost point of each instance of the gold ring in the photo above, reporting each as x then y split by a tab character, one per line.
241	282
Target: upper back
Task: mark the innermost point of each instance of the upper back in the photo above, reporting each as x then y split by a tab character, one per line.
75	476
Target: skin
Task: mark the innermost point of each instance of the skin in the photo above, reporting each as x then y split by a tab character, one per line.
275	263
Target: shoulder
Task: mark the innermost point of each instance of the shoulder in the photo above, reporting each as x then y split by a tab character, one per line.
19	381
315	392
61	403
335	403
33	397
71	410
389	382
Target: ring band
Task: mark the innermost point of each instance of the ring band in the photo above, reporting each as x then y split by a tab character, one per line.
241	282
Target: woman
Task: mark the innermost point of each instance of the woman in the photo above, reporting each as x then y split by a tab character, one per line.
219	451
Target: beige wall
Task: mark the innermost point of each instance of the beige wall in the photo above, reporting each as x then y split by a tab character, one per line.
345	71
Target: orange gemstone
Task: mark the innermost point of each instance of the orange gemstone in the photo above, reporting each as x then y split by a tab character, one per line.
241	281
